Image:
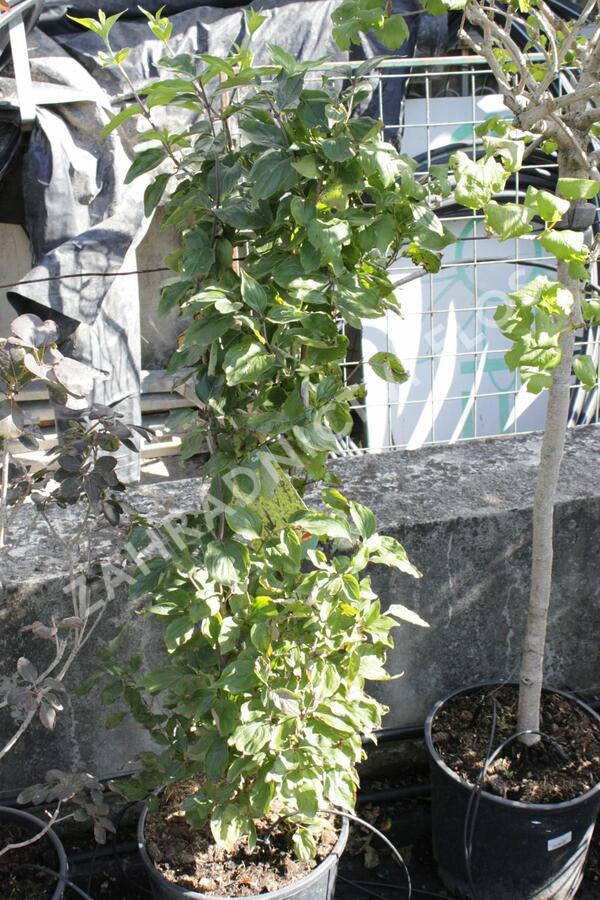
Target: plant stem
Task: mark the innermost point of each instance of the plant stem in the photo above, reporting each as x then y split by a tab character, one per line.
4	495
553	443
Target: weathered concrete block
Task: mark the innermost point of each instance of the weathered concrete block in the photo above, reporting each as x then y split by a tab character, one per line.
463	513
33	578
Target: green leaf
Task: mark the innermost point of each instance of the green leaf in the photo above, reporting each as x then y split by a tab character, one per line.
548	207
337	149
243	521
307	800
389	552
217	759
371	665
263	134
193	443
269	173
357	300
111	692
510	151
577	188
239	676
324	525
315	436
388	367
86	686
246	361
144	161
585	370
394	32
154	191
115	718
226	826
287	90
307	166
304	845
171	295
250	738
205	331
477	181
126	113
147	576
336	500
364	519
253	293
227	561
178	632
282	58
563	244
328	237
381	159
407	615
253	20
508	220
340	789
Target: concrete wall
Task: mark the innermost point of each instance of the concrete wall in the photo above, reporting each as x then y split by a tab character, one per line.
464	515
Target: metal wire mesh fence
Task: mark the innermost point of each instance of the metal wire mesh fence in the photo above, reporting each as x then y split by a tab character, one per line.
459	386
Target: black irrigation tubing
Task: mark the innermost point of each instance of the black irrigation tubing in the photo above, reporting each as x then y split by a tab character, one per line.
62	879
364	824
390	795
387	886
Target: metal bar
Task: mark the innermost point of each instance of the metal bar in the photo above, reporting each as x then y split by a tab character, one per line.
20	60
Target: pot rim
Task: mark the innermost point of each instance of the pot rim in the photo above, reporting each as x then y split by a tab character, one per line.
62	868
493	798
279	894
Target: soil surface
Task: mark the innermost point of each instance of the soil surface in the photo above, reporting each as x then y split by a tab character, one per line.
192	860
22	883
538	774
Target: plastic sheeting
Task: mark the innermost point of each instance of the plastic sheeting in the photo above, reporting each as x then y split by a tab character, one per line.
82	221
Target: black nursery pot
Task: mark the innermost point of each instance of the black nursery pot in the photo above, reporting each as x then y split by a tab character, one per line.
33	825
521	851
317	885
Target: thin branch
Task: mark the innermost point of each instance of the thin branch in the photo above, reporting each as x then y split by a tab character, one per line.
40	834
535	112
567	45
494	33
19	732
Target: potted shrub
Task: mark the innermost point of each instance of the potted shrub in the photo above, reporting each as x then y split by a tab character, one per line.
270	625
515	768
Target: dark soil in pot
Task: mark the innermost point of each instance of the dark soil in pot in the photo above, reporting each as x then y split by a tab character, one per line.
191	859
20	883
539	774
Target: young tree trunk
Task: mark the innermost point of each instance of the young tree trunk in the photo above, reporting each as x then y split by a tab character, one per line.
553	443
4	496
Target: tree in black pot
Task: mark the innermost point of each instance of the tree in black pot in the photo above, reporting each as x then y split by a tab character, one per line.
535	754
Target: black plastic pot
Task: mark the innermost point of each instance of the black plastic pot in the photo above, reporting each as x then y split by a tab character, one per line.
33	825
317	885
520	851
